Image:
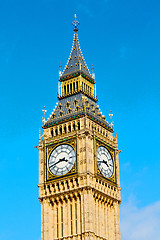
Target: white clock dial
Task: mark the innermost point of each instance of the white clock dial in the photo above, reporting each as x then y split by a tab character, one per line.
61	160
105	162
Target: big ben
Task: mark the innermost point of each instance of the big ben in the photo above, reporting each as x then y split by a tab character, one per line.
79	183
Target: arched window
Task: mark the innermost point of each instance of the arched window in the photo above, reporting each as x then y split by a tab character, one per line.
74	126
65	90
65	129
71	87
52	132
60	129
77	86
56	131
69	128
78	125
74	87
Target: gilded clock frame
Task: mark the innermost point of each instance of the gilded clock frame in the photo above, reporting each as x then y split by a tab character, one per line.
49	149
112	152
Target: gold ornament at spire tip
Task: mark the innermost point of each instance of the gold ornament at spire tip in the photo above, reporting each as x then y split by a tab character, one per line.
75	23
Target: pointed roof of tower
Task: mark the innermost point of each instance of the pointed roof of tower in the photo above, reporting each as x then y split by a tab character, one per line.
76	62
76	106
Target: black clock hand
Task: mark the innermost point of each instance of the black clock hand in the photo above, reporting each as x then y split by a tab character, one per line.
60	160
63	159
105	163
54	163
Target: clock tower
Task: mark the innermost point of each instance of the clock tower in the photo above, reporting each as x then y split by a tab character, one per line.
79	184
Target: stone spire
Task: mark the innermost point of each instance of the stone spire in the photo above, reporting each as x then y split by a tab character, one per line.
76	63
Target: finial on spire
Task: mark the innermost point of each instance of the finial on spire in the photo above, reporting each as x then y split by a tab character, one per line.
60	70
43	118
93	74
111	115
75	24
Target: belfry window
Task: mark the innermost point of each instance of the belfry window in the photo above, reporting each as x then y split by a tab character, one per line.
74	87
71	87
65	90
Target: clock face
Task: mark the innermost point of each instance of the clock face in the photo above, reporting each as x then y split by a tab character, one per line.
105	162
61	160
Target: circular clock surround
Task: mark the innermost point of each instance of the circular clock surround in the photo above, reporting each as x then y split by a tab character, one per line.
105	162
61	160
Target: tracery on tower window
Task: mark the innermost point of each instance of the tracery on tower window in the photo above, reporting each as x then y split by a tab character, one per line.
57	225
71	219
76	216
62	221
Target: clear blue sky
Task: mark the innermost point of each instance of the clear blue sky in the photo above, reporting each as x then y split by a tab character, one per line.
122	40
